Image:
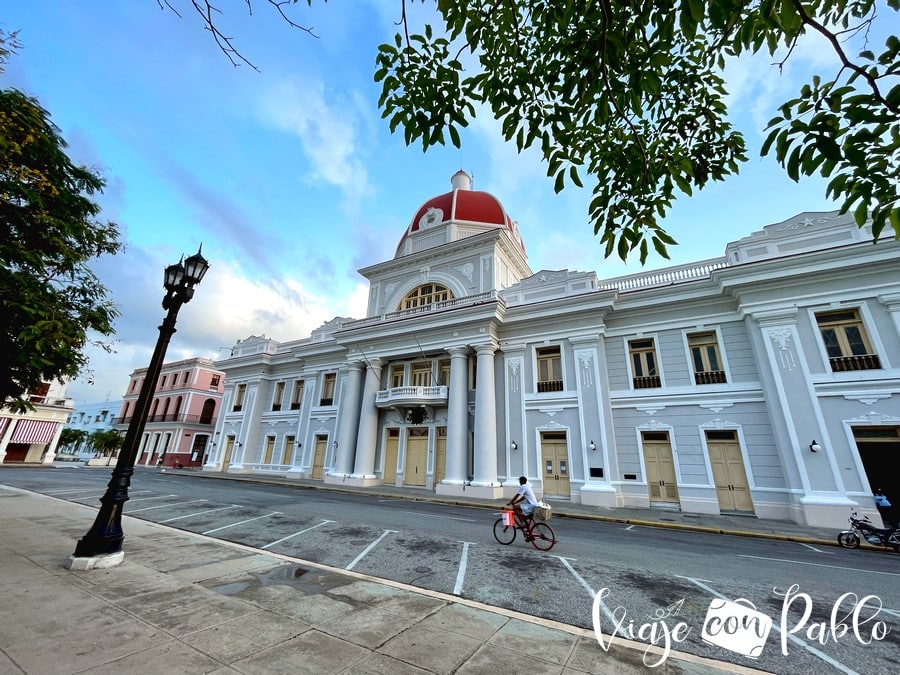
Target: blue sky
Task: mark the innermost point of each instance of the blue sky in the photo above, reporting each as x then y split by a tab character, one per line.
289	177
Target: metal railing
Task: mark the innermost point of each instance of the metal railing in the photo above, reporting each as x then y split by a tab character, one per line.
178	417
647	382
841	364
549	385
710	377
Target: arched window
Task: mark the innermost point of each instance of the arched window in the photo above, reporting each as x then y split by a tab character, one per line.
209	407
425	295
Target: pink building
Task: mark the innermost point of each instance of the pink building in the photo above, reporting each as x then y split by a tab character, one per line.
182	415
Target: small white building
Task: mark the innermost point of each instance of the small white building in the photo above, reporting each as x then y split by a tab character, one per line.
765	382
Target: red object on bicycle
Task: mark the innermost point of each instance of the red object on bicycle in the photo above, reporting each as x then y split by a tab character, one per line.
509	518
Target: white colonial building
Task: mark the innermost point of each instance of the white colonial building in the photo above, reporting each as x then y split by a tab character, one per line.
764	382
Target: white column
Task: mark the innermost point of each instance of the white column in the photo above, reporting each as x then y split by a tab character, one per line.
7	434
364	468
892	303
350	411
457	418
50	454
485	481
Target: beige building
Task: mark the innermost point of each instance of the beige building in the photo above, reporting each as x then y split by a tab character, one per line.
32	437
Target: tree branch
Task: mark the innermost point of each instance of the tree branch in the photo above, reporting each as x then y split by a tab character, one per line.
836	45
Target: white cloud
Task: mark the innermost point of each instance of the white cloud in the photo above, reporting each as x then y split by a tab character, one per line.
227	306
327	131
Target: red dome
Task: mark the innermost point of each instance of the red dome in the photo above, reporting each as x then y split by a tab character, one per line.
462	204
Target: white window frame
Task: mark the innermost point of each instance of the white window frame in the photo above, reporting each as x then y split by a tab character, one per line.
720	344
659	368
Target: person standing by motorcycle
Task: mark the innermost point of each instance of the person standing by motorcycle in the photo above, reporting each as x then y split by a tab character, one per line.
884	508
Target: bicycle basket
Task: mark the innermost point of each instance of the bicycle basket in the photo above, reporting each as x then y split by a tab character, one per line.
544	512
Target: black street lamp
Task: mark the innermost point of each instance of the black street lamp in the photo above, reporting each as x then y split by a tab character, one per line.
102	545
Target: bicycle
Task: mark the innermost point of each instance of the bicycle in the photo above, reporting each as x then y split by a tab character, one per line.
540	534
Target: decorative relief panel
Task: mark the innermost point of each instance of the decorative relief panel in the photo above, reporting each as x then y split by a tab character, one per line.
586	363
467	270
513	367
781	337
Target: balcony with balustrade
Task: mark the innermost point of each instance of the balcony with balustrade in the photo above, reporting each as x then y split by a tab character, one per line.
411	396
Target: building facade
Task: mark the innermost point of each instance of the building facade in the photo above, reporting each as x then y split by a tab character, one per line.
31	437
88	418
183	412
765	382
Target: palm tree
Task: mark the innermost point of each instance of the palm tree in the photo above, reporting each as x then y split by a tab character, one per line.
107	442
71	439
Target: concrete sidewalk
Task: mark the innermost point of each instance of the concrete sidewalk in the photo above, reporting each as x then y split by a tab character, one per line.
184	603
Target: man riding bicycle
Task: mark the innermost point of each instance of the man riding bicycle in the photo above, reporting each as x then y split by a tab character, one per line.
525	497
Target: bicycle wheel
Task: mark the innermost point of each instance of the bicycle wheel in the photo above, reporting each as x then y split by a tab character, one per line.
505	534
543	537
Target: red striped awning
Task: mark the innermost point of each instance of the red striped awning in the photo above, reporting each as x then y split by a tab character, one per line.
33	431
3	422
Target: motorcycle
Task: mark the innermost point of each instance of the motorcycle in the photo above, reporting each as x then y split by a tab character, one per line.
863	527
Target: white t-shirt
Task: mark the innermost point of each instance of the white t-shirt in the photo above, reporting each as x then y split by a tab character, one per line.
528	493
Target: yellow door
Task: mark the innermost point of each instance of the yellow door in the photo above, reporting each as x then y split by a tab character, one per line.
729	474
555	455
270	449
319	457
661	479
440	454
389	475
229	448
416	458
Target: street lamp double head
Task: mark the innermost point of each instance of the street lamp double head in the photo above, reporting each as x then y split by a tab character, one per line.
102	545
181	278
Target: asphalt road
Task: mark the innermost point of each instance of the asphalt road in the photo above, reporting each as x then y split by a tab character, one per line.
662	586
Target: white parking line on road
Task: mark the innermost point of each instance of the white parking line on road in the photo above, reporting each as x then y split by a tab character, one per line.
249	520
162	506
324	522
813	548
200	513
790	636
93	488
609	615
432	515
461	574
144	499
369	548
630	527
834	567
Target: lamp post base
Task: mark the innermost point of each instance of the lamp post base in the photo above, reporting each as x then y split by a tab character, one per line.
96	562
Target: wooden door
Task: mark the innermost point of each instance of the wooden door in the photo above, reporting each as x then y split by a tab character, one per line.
229	448
318	457
389	474
440	455
416	458
555	456
729	473
661	480
270	449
